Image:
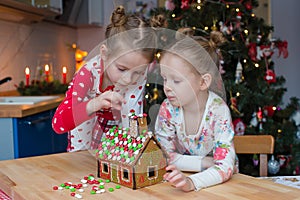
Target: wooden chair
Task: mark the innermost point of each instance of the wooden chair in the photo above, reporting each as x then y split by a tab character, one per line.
256	144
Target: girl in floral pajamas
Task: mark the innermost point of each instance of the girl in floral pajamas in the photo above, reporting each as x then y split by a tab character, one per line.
194	122
109	85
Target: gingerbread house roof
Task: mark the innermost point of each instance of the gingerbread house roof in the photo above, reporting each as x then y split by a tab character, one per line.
118	146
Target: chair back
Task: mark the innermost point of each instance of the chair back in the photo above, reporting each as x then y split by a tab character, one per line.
256	144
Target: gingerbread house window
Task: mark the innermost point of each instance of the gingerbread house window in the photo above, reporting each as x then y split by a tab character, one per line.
152	171
104	168
125	174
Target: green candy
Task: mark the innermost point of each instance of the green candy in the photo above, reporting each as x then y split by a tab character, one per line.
101	186
72	189
111	189
93	192
107	180
118	186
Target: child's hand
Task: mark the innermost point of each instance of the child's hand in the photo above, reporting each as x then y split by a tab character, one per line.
106	100
178	179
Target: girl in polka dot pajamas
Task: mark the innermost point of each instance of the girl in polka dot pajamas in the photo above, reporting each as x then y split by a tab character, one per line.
109	85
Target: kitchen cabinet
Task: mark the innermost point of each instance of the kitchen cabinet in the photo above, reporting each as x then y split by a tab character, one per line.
30	136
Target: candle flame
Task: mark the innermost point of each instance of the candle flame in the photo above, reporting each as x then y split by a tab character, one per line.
47	68
27	71
64	69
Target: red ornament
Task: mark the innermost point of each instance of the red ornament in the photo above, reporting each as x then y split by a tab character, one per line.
184	4
270	76
239	126
269	110
248	5
239	15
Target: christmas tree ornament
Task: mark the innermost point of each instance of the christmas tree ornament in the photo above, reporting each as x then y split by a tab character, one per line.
238	73
252	51
282	48
239	15
248	5
223	28
169	5
270	76
269	110
254	121
239	126
273	166
255	160
260	119
185	4
233	104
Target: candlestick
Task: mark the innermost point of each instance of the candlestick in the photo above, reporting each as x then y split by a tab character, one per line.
27	75
64	74
47	72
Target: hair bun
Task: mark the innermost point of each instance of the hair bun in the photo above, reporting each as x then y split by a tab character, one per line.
118	17
216	39
158	21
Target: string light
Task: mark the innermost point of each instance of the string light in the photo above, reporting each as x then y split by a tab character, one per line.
237	10
246	31
252	15
206	28
238	94
245	60
256	65
198	7
173	15
279	130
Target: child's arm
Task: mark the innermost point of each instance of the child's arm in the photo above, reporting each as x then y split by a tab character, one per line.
223	151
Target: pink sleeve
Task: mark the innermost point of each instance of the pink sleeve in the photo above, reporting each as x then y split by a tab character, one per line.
72	110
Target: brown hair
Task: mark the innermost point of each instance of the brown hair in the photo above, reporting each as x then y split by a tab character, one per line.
129	32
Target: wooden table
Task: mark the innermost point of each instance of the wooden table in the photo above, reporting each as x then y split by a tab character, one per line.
34	178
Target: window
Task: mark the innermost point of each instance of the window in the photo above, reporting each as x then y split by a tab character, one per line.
105	168
151	171
125	174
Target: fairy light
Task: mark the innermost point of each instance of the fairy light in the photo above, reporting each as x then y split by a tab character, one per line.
256	65
246	31
227	6
245	60
158	55
274	108
206	28
237	10
194	28
198	7
252	15
238	94
173	15
198	1
279	131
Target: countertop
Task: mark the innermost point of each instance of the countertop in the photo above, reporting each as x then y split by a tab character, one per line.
35	177
18	111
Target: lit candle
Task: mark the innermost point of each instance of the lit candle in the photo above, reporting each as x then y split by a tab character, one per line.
47	72
64	74
27	74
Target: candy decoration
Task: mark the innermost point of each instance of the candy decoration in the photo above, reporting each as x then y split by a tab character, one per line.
97	186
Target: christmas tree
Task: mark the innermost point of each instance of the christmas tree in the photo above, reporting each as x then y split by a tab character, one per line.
254	92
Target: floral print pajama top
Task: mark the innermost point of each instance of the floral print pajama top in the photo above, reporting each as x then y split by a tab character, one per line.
214	138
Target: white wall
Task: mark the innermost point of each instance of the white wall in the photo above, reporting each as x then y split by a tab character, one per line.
24	45
285	17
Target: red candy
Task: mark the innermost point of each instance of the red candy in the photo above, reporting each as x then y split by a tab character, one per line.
55	188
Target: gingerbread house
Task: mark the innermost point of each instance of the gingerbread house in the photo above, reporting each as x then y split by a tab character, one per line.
131	157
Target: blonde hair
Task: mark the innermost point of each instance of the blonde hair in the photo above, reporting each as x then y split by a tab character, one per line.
140	34
201	54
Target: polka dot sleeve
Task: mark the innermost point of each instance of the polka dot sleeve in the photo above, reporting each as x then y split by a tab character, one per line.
72	110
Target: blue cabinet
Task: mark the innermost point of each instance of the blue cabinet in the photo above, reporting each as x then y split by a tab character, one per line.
33	135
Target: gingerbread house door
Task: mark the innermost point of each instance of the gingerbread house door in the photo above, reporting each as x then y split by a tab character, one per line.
114	173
